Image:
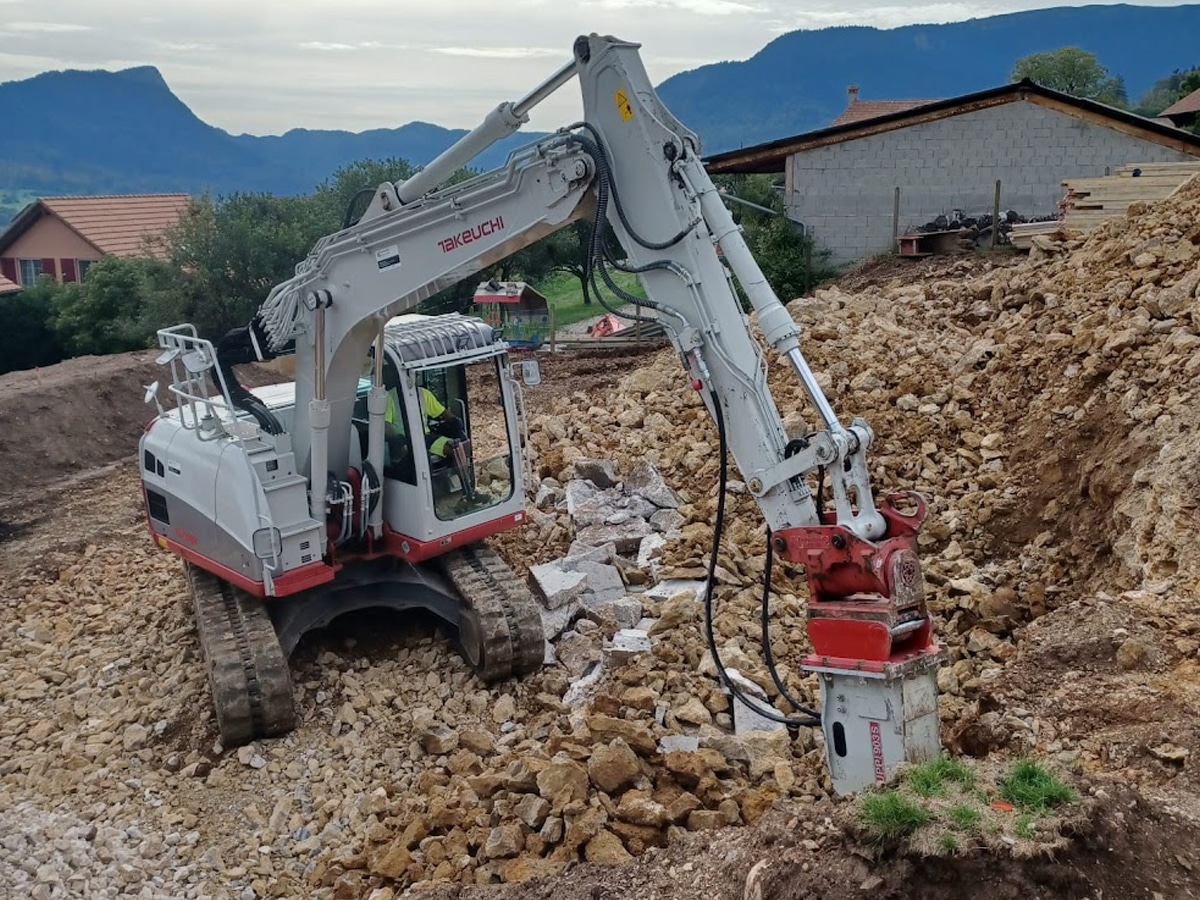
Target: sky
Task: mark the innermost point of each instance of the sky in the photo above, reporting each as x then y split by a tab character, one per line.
265	66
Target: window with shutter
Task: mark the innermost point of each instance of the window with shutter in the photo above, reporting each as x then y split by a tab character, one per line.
8	268
49	267
31	270
68	270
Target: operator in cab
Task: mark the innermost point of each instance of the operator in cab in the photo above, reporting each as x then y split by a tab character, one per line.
441	426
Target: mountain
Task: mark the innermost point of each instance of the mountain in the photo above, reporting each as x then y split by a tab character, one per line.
96	132
798	82
117	132
315	155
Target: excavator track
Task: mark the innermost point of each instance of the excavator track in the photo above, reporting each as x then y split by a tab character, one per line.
501	628
247	671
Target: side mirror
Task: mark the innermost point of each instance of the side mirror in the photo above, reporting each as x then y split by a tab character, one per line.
531	372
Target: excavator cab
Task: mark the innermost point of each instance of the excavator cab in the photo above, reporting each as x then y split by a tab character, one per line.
452	431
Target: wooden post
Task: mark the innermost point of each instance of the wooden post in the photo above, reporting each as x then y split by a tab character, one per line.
637	328
996	215
896	219
553	331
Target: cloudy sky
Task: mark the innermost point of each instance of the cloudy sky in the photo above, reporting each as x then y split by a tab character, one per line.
264	66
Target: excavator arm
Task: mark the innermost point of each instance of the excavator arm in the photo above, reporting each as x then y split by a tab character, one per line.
632	163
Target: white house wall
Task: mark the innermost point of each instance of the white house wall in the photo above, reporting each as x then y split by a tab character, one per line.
845	192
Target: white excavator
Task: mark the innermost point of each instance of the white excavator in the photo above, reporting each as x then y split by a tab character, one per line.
376	478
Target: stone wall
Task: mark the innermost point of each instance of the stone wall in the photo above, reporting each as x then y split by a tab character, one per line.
845	192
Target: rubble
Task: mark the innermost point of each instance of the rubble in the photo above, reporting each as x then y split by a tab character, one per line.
1046	407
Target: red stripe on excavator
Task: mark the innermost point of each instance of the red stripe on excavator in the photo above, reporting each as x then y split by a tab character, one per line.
414	551
288	583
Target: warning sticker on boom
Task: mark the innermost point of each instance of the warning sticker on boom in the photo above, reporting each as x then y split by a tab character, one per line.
624	107
387	257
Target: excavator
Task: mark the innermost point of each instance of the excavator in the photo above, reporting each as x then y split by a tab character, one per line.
377	477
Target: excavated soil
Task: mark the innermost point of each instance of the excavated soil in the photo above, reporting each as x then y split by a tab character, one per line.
1046	406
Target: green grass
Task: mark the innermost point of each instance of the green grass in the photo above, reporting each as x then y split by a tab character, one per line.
891	815
928	779
564	294
949	844
1023	827
964	818
1029	786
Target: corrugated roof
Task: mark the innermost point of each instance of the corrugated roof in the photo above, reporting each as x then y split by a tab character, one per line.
119	224
8	287
1189	104
861	110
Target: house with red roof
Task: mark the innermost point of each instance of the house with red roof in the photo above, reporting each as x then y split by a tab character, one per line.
61	237
1183	113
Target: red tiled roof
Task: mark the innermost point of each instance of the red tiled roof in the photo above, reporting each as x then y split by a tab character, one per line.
119	225
1189	104
8	287
861	110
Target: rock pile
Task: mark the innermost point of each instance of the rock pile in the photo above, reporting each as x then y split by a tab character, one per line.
1047	408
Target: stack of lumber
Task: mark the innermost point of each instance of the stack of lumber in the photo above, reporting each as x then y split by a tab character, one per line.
1089	202
1021	234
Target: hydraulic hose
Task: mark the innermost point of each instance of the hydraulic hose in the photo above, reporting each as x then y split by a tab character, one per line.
768	655
235	348
813	719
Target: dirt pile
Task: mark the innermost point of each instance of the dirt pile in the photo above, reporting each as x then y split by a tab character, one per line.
57	423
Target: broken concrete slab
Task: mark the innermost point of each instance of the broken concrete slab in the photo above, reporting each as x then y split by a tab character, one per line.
586	505
625	612
670	743
745	717
580	690
673	587
626	644
555	585
669	522
645	481
556	621
604	582
627	537
600	472
648	550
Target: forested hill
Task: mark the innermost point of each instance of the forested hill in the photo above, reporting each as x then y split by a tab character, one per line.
116	132
798	82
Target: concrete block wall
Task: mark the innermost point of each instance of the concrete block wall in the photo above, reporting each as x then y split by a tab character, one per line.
845	192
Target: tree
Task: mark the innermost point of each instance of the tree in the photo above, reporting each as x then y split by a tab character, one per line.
788	259
119	307
1167	91
1072	71
27	340
233	250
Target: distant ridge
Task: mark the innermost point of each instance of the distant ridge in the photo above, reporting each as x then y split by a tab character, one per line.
91	132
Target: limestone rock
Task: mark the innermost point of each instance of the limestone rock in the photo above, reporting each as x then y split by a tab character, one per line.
613	766
606	849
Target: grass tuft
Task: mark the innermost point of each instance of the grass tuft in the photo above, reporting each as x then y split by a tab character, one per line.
964	818
1030	786
928	779
891	815
949	844
1023	827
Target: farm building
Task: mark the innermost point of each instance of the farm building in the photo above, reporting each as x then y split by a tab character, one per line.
517	308
947	155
